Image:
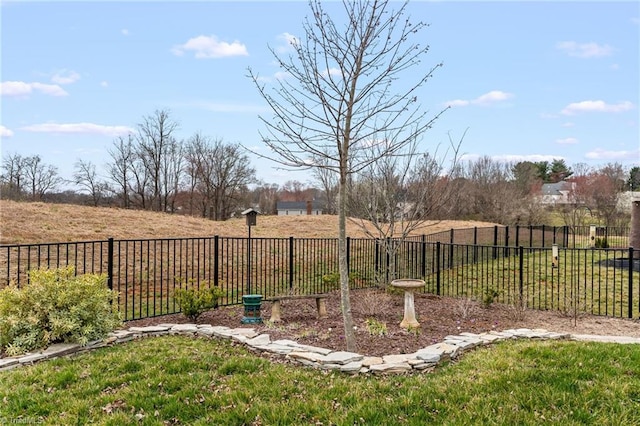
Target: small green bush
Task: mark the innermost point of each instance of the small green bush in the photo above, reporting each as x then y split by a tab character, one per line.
333	280
56	306
194	302
489	297
375	327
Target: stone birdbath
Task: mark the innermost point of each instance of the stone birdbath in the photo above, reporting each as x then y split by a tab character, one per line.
409	285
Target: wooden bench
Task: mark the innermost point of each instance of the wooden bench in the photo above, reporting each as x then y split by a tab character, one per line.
276	307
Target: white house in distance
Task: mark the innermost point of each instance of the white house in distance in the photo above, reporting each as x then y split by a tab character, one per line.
557	193
298	208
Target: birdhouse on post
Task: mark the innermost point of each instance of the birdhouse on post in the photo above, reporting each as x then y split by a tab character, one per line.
251	215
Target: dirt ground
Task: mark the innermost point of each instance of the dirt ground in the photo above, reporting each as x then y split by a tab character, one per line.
438	317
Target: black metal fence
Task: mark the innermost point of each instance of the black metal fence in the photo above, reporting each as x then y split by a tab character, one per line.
519	266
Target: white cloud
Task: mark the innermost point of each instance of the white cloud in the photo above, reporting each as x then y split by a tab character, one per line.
210	47
487	99
104	83
567	141
79	128
281	75
65	77
512	158
603	154
584	50
22	89
332	71
596	106
124	32
492	97
287	43
568	124
614	67
4	132
509	158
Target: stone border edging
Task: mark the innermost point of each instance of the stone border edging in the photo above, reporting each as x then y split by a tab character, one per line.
326	359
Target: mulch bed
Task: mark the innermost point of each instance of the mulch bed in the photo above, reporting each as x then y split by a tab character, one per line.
438	317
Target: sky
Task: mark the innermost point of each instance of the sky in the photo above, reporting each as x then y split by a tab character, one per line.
529	81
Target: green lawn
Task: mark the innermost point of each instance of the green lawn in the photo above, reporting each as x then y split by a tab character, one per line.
180	380
580	281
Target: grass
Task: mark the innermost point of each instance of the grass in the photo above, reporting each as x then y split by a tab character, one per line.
36	222
181	380
580	282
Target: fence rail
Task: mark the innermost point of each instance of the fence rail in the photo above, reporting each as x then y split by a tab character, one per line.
515	265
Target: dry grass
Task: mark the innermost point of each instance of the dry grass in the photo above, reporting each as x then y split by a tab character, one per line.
26	222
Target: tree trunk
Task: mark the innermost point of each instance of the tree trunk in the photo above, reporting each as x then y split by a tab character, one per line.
345	302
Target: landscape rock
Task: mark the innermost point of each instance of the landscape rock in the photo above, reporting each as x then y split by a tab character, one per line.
326	359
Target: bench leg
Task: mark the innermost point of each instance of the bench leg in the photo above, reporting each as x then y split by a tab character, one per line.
322	307
275	311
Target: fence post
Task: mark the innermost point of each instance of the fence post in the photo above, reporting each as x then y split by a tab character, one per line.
475	244
517	244
388	260
521	272
291	254
630	296
495	241
543	232
423	256
376	261
110	263
438	268
348	254
452	240
216	265
506	241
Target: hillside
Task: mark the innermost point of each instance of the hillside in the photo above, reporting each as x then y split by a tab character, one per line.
26	222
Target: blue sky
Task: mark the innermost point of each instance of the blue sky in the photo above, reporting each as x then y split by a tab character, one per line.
529	80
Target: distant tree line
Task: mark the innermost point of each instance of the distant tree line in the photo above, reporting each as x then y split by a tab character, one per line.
153	170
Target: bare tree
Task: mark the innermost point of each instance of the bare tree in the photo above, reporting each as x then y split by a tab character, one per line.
345	92
12	177
120	170
86	177
265	196
494	193
159	151
294	190
397	195
329	184
40	178
219	174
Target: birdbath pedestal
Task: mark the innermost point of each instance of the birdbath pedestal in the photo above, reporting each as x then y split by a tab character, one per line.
409	285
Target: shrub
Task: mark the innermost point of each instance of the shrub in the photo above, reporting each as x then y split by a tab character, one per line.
333	280
489	297
375	327
56	306
194	302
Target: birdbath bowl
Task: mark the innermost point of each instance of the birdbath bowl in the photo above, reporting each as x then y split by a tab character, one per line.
409	285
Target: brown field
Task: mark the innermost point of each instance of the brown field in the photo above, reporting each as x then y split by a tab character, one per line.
29	223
